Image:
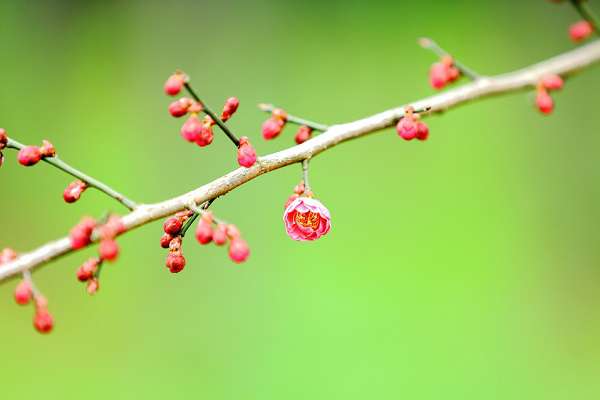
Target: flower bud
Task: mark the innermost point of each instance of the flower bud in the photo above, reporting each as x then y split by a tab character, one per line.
43	321
29	155
7	255
87	271
272	127
204	233
438	75
180	107
552	82
304	133
174	84
23	293
165	240
47	149
238	250
175	262
206	136
231	106
73	191
92	286
172	226
220	235
422	131
580	31
544	102
108	249
407	128
81	233
246	155
191	128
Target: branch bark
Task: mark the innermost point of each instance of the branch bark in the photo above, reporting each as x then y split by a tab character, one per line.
564	64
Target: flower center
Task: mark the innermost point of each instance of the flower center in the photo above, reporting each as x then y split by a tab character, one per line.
308	219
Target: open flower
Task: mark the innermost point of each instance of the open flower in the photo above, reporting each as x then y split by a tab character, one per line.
306	219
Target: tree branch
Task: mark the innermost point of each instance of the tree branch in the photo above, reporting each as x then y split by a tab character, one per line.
529	77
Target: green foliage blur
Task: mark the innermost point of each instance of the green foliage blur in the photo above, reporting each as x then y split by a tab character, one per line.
466	267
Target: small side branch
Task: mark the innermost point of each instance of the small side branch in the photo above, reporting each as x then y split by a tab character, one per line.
91	182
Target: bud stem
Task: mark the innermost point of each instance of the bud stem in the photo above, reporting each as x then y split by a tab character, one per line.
429	44
88	180
214	116
305	175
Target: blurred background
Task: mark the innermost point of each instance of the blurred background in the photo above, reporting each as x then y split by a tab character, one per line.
466	267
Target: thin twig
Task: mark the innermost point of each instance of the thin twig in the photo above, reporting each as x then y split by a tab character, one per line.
214	116
526	78
91	182
305	175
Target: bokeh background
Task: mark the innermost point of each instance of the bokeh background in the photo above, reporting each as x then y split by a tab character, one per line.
466	267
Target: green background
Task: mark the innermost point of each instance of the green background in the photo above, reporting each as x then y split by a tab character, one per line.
465	267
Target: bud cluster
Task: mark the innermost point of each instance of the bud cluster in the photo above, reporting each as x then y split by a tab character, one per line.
200	131
443	73
543	100
411	127
25	293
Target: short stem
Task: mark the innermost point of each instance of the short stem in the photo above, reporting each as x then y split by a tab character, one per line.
188	223
297	120
305	175
429	44
214	116
88	180
27	278
586	12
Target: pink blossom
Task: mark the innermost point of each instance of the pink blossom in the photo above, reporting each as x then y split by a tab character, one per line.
306	219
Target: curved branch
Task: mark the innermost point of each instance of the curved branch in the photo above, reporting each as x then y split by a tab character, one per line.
564	64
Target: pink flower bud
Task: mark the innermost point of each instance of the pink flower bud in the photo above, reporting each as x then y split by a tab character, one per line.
422	131
552	82
544	102
205	137
108	249
191	129
306	219
88	269
7	255
23	293
438	75
92	286
204	233
220	235
272	127
246	155
174	84
304	133
580	31
180	107
172	226
47	149
175	262
231	106
407	128
196	107
73	191
43	321
299	188
238	250
81	233
29	155
3	138
165	240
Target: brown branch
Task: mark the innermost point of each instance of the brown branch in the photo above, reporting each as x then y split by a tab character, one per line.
564	64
